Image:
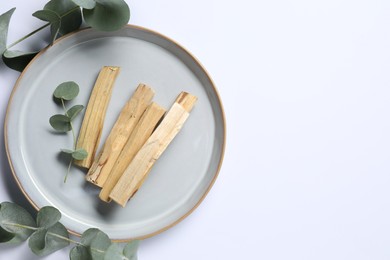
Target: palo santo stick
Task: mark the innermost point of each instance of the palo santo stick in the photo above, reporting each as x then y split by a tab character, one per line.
142	163
120	133
91	128
138	137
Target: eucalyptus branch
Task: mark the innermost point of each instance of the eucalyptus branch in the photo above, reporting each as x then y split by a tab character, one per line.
63	123
46	234
64	16
27	36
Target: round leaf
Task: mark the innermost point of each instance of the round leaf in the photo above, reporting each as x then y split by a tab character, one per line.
67	90
53	18
79	154
48	216
130	250
46	241
80	253
67	151
114	252
108	15
13	222
100	242
60	123
87	4
70	15
89	235
74	111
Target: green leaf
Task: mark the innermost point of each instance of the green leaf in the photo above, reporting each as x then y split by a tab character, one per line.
96	241
60	123
5	236
48	216
67	90
88	236
74	111
4	24
17	60
79	154
87	4
67	151
46	241
108	15
80	253
130	250
53	18
114	252
69	13
16	224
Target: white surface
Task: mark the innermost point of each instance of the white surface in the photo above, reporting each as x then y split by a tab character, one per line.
306	92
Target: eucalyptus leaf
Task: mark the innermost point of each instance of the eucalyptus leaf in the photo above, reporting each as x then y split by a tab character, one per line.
80	253
114	252
16	224
130	250
17	60
98	244
4	24
87	4
60	123
79	154
69	13
67	151
5	236
48	216
108	15
53	18
89	235
74	111
67	90
46	241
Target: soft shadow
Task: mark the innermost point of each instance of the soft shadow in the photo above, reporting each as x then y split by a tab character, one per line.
63	159
10	183
106	210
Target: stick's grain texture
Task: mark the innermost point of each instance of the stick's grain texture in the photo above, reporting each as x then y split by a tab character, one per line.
120	133
91	128
143	161
138	137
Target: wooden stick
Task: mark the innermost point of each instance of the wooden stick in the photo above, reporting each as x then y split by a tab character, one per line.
138	137
120	133
142	163
92	126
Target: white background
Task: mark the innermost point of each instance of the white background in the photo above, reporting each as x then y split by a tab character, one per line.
306	91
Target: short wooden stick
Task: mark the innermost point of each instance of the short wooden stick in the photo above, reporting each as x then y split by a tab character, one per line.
119	134
138	137
144	160
92	125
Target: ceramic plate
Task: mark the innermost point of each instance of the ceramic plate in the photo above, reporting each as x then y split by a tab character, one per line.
181	177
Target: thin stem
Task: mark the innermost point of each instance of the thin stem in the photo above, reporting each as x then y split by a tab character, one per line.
65	238
67	173
20	225
71	125
28	35
74	140
41	28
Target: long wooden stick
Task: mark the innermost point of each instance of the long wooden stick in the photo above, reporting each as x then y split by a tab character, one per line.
142	163
138	137
120	133
91	128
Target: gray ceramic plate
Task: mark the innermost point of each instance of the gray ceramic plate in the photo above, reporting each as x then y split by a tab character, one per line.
181	177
